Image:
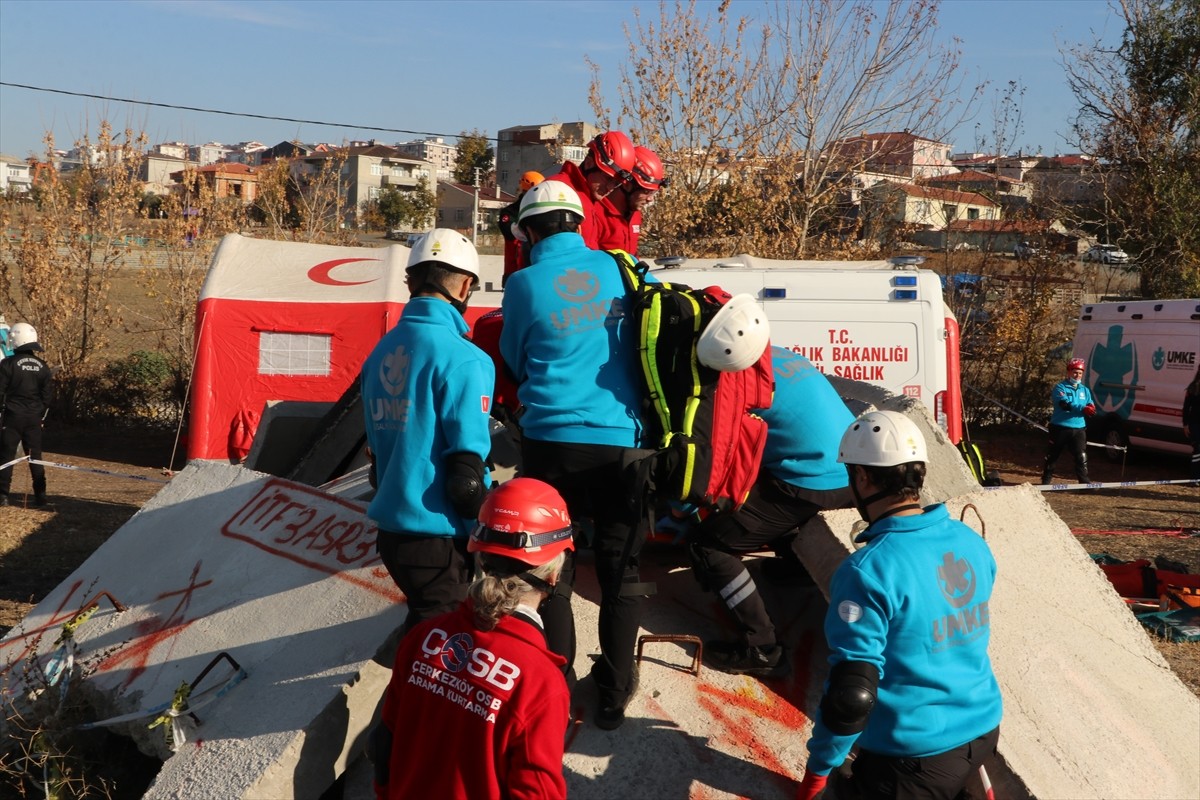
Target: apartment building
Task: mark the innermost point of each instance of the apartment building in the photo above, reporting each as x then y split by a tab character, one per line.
435	151
542	148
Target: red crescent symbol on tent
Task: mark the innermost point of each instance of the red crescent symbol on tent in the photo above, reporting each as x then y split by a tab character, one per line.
320	273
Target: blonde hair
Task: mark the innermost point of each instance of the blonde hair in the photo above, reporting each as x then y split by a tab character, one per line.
496	591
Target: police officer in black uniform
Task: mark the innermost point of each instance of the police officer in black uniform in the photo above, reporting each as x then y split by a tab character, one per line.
25	389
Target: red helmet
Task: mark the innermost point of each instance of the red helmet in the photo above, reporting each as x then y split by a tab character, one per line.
648	170
523	519
613	154
1076	364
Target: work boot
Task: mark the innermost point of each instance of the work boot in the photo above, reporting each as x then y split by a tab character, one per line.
609	718
4	499
39	500
768	661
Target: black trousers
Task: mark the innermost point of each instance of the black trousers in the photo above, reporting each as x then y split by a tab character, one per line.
937	777
27	432
591	480
768	519
432	571
1063	438
1195	469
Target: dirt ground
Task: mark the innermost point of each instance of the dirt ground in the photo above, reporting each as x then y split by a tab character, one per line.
41	547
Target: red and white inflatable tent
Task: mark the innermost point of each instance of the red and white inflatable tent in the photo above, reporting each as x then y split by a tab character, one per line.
291	321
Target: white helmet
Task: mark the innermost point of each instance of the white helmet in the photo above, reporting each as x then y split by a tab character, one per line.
549	195
22	334
736	336
882	439
447	247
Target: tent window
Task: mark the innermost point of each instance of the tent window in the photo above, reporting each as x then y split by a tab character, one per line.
293	353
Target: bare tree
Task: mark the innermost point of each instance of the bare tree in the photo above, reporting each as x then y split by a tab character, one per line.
304	198
193	221
1139	118
64	257
757	121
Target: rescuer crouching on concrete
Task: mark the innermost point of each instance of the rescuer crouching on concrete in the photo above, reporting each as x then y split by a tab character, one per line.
910	681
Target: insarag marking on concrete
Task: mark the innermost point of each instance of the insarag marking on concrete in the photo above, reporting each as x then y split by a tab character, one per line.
313	529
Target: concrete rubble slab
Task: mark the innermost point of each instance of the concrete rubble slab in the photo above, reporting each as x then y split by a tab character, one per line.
211	565
281	577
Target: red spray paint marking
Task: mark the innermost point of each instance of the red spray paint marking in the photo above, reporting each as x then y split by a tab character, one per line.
154	631
773	707
740	731
315	530
56	619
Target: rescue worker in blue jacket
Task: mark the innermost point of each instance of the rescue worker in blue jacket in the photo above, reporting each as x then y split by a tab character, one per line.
568	347
426	393
910	681
26	389
1072	402
799	477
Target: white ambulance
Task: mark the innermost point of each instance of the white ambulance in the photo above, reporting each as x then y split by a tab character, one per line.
1140	356
880	322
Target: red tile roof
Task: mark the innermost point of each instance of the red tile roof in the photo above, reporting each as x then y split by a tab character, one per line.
228	168
970	176
949	195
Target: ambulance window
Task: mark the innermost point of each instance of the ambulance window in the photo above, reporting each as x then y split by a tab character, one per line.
293	353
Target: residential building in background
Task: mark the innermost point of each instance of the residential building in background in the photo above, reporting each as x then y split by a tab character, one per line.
456	203
225	180
209	153
542	148
16	176
1066	179
158	169
922	208
1008	192
291	150
367	170
900	154
435	151
248	153
177	150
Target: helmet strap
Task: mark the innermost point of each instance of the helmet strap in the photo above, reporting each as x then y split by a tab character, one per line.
429	287
863	503
897	510
542	586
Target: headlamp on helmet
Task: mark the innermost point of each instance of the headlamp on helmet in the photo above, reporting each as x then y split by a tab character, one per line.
523	519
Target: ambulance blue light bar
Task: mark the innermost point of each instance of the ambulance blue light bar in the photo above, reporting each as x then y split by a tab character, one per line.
905	281
771	293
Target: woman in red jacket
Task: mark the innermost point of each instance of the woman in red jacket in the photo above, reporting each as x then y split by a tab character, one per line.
478	706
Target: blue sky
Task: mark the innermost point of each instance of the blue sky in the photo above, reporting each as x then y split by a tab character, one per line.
432	67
